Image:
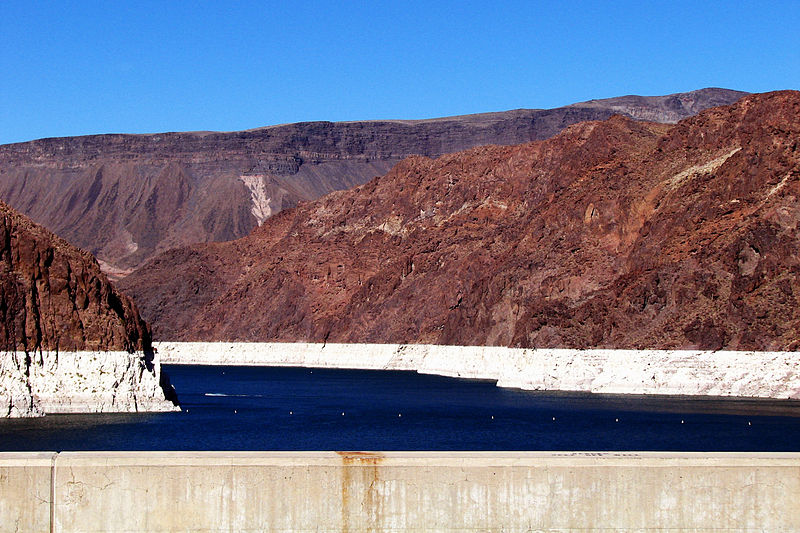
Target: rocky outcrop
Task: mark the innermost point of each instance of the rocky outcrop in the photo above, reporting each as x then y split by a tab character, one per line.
613	234
126	198
68	340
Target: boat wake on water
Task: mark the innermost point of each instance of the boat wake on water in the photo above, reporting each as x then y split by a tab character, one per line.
221	395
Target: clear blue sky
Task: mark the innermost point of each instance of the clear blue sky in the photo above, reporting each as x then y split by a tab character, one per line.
74	68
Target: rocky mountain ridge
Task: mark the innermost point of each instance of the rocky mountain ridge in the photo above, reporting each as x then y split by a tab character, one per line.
612	234
127	197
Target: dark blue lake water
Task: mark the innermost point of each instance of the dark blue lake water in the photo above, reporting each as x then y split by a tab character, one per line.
255	408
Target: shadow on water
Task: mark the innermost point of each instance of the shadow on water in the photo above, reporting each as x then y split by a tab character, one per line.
674	404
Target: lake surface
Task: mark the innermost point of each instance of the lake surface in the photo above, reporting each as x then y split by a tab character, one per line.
261	408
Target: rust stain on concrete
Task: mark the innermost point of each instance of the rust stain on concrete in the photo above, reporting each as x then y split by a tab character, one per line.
359	484
350	458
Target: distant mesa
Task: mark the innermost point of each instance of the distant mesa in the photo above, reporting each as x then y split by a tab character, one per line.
126	198
613	234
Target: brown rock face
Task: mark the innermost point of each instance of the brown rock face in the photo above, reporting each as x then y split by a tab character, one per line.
612	234
54	297
126	198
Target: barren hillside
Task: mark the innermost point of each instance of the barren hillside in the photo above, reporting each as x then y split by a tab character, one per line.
613	233
127	197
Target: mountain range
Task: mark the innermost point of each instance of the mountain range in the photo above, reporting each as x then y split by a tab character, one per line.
126	198
614	233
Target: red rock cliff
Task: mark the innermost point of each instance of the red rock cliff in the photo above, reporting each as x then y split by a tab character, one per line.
54	297
612	234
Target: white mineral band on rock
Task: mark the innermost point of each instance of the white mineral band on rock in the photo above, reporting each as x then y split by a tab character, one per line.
667	372
79	382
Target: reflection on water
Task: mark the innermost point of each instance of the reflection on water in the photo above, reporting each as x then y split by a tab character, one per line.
255	408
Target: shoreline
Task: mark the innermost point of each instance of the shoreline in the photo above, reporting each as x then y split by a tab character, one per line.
681	373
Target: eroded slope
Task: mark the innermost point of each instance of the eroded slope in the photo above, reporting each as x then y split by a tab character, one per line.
612	234
126	198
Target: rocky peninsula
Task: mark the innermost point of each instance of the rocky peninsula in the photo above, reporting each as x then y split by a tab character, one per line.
69	341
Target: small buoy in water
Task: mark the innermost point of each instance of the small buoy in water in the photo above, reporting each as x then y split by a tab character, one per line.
748	423
342	413
681	421
492	417
235	411
291	412
616	420
399	414
554	419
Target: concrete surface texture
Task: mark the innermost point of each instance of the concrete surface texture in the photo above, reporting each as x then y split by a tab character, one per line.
399	491
673	372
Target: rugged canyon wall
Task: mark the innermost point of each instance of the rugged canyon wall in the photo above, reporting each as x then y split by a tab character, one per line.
613	234
69	341
126	198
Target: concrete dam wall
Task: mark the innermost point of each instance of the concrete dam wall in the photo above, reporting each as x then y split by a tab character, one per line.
398	491
670	372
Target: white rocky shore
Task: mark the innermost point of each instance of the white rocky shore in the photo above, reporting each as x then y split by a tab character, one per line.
79	382
668	372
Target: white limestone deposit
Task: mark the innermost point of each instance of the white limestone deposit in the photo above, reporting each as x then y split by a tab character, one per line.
262	207
79	382
669	372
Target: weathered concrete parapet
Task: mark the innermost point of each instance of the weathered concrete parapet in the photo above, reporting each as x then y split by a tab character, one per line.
399	491
25	491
